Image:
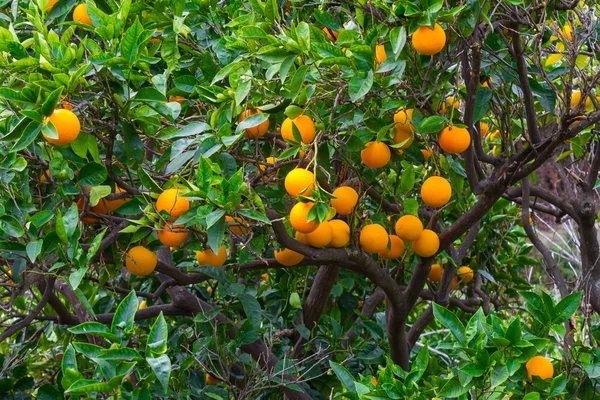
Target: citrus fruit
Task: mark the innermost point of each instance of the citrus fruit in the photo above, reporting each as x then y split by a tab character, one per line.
105	206
299	216
288	257
427	244
496	135
454	140
454	282
173	236
409	227
237	229
211	380
299	181
80	14
265	277
320	237
340	233
380	55
465	274
305	126
208	257
429	41
539	366
256	131
171	202
436	191
450	101
484	128
403	136
374	238
396	248
435	273
331	34
140	261
345	201
426	154
375	154
67	126
143	305
80	206
176	99
403	120
50	4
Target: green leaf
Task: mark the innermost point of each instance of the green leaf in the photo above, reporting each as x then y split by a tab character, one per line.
92	174
124	316
482	103
120	354
532	396
88	385
499	375
228	69
88	349
130	44
453	388
30	133
450	321
157	339
297	82
51	102
566	308
76	277
149	94
93	328
61	232
97	193
407	181
592	370
558	385
251	121
161	366
95	245
359	85
293	111
344	376
34	248
433	124
252	308
398	39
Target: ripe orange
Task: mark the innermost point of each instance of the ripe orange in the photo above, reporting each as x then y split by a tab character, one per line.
106	206
341	233
173	236
495	135
345	201
50	4
140	261
256	131
374	238
211	380
426	154
299	181
454	282
435	273
143	305
320	237
288	257
429	41
305	126
80	205
401	136
539	366
299	216
403	119
427	244
484	129
80	14
409	227
237	229
396	248
176	99
67	126
374	381
450	101
380	55
45	175
436	191
208	257
466	274
331	34
375	154
454	140
171	202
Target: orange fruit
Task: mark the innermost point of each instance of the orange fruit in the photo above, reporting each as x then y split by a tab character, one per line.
403	120
211	380
67	126
105	206
176	99
409	227
320	237
299	181
237	229
50	4
288	257
436	191
380	55
539	366
345	201
171	202
299	216
80	205
256	131
340	233
496	135
305	126
374	238
140	261
208	257
80	14
427	244
484	129
450	101
426	154
454	140
173	236
465	273
375	154
401	136
396	248
435	273
454	282
143	305
331	34
429	41
45	175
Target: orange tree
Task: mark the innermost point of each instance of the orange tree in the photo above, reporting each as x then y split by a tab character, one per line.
246	199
